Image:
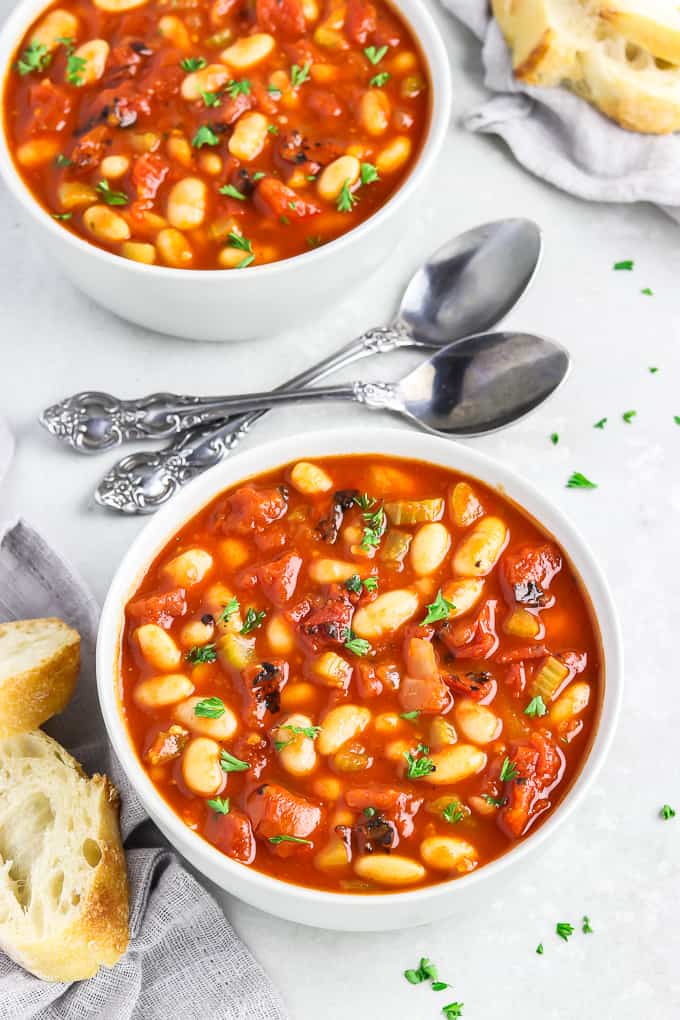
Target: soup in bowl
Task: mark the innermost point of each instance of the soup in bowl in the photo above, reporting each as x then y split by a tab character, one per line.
358	675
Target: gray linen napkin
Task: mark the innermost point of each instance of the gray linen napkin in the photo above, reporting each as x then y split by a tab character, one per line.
185	961
561	138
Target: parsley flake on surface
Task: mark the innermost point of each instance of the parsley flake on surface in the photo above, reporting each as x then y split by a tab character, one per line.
585	926
667	812
601	423
202	653
272	129
453	812
109	196
536	707
355	584
232	606
253	620
193	63
375	523
62	161
653	369
231	192
35	57
554	438
498	802
204	136
628	416
579	481
453	1011
62	215
410	716
369	173
228	763
346	200
676	419
312	732
627	264
299	75
358	646
440	609
439	986
375	54
509	770
289	839
647	291
564	930
219	806
210	708
379	80
211	98
237	87
74	69
419	766
539	949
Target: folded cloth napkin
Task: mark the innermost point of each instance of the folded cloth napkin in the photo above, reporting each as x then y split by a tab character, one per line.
184	961
561	138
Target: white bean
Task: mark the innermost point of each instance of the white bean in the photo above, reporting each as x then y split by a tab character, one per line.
174	248
448	853
95	53
374	112
298	754
218	729
187	202
455	763
160	691
477	722
309	479
479	552
157	647
464	594
195	632
201	767
340	725
113	167
188	568
106	225
249	137
327	571
38	151
118	6
386	614
394	155
248	51
280	635
344	170
58	24
389	869
139	252
572	702
429	547
209	79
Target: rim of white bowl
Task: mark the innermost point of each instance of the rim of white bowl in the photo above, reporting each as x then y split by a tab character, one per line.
390	442
424	28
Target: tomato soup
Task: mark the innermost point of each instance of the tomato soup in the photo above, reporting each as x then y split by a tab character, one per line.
215	134
361	674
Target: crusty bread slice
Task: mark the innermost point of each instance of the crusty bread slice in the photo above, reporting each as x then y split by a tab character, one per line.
39	662
63	884
570	42
652	24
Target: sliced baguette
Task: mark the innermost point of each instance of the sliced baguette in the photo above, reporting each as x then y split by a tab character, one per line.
652	24
63	884
39	662
575	43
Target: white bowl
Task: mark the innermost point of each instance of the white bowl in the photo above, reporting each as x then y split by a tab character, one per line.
223	304
349	912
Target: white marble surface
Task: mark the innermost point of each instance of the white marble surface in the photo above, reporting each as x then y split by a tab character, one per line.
616	860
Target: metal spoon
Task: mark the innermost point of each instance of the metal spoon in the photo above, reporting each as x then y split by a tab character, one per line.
466	287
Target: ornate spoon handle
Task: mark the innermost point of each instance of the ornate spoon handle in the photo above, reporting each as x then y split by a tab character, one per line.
93	422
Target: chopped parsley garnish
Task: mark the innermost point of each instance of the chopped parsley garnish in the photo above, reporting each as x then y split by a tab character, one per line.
539	949
210	708
253	620
564	930
419	766
62	215
75	66
272	129
108	195
193	63
228	763
439	986
35	57
628	416
509	770
626	264
410	716
231	192
243	244
453	1011
554	438
375	523
380	79
346	200
579	481
426	971
355	584
202	653
221	807
238	88
653	370
498	802
259	175
375	54
312	732
232	606
440	609
204	136
63	161
585	926
68	42
647	291
358	646
210	98
365	501
453	812
273	91
370	583
601	423
667	812
370	812
369	173
289	839
676	419
299	75
536	707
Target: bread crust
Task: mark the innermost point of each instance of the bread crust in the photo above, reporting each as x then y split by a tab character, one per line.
32	696
661	39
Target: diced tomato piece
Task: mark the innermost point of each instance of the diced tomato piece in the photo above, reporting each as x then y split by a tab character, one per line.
124	62
299	611
328	624
537	563
162	609
252	509
275	811
167	745
477	686
575	662
274	197
522	653
271	539
368	683
516	679
540	765
222	10
91	149
475	639
148	173
50	107
399	805
262	685
231	108
278	579
232	834
387	33
284	18
360	21
422	689
323	104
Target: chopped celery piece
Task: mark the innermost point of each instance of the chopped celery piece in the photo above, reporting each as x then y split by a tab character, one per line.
414	511
549	679
219	39
395	546
236	650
